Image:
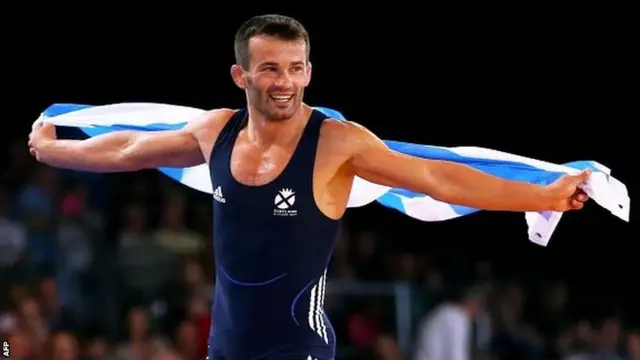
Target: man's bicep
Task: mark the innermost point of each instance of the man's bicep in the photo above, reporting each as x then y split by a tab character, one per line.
372	160
174	148
189	146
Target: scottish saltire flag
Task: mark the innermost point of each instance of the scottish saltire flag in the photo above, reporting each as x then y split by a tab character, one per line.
602	187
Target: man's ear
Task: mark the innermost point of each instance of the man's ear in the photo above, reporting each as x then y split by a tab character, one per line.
239	76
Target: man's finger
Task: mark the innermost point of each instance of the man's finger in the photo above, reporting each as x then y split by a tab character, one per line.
581	196
576	205
584	175
37	124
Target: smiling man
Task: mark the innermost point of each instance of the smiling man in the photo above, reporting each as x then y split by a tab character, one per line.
282	174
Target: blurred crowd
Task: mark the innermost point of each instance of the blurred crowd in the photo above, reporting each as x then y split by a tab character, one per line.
120	268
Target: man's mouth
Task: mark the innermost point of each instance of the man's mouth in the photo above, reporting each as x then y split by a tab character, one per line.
281	98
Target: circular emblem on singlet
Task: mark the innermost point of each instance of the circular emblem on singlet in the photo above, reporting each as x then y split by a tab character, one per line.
283	203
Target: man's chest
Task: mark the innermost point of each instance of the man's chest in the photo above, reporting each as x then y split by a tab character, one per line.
255	166
282	171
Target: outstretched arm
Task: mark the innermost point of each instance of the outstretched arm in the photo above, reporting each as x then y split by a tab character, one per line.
119	151
371	159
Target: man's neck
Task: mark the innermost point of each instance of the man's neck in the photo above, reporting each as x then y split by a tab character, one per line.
265	132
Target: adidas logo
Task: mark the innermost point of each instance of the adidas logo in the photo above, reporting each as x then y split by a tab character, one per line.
217	195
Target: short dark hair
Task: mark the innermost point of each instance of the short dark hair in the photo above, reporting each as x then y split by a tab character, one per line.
279	26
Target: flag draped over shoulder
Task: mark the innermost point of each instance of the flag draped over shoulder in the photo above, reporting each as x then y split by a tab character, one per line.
605	190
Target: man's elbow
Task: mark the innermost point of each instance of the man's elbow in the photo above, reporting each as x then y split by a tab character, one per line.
437	183
127	160
444	194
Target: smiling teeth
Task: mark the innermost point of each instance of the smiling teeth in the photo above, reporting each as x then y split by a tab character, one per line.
281	98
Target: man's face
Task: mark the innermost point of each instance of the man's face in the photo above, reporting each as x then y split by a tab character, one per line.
277	75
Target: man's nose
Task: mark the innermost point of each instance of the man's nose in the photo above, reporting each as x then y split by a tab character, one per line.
284	79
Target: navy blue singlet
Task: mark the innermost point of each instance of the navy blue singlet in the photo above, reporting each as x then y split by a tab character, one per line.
272	247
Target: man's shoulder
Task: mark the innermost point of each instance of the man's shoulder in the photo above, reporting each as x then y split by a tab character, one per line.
335	137
343	137
206	128
337	127
214	116
341	130
211	121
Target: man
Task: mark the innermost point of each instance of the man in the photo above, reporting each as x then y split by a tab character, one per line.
282	173
445	334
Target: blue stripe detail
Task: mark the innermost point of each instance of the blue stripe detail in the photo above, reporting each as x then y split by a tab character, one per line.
244	283
60	109
392	201
331	113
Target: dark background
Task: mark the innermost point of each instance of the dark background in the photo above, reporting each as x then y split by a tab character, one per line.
552	87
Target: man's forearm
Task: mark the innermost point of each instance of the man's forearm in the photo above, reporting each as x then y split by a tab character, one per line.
463	185
99	154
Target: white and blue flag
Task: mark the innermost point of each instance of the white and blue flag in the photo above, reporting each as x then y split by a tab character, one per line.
604	189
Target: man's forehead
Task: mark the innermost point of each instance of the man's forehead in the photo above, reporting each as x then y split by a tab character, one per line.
266	48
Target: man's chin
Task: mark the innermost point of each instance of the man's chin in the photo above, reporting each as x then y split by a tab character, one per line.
281	114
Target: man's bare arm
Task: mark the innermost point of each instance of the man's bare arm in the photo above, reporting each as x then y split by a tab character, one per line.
122	150
449	182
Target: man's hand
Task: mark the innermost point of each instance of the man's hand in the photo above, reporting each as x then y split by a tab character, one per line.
566	194
40	132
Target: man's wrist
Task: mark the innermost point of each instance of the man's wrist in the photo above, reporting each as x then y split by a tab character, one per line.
547	197
44	149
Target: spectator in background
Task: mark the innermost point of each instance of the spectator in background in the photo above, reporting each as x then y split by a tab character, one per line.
11	312
167	355
366	325
173	234
21	347
446	332
429	293
75	252
196	279
387	348
575	343
145	266
37	207
198	314
142	343
187	342
633	345
96	347
513	337
13	242
609	340
64	346
32	322
188	298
